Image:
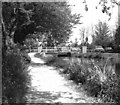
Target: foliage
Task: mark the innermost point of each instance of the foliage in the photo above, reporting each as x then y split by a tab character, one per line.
117	39
58	21
21	19
106	5
14	69
26	58
97	77
30	42
53	60
14	18
102	35
15	78
83	33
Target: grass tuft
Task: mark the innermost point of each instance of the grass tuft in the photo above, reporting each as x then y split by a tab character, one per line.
97	77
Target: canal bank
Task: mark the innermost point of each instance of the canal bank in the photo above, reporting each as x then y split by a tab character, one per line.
48	86
97	75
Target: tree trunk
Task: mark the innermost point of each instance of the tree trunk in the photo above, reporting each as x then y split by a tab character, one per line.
117	65
4	46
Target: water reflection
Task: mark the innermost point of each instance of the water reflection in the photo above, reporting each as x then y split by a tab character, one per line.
111	64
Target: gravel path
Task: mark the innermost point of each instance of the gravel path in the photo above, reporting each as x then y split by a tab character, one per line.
48	86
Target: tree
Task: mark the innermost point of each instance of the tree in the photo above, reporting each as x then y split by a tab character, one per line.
75	44
14	18
102	35
105	7
83	33
117	39
56	20
117	36
21	19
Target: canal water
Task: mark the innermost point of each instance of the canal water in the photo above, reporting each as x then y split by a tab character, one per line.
105	68
106	63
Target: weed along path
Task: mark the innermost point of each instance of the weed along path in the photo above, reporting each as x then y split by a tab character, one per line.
48	86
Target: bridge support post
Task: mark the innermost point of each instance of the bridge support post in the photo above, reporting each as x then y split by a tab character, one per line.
46	50
84	49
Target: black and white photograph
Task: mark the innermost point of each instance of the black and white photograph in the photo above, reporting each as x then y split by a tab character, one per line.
60	52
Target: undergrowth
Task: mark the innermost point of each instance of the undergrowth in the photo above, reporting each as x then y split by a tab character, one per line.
98	78
15	77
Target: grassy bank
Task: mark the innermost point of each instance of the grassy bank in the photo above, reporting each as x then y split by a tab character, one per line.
15	77
98	78
53	60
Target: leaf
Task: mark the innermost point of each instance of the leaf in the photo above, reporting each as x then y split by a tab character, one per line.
44	17
86	8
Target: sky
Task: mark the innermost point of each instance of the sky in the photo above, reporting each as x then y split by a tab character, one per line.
91	17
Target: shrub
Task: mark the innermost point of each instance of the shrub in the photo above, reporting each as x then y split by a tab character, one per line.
38	55
75	72
97	78
53	60
50	60
103	83
110	90
15	78
26	58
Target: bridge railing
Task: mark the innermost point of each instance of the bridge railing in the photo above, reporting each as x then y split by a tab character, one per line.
56	49
50	50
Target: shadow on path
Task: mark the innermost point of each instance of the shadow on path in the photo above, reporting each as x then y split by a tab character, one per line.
48	86
42	97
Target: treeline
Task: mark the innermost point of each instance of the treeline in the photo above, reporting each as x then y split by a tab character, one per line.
23	20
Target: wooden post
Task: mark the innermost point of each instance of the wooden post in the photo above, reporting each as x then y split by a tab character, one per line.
46	50
84	49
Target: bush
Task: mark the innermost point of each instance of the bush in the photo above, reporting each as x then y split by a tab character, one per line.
16	49
15	78
75	72
106	84
50	60
38	55
98	80
53	60
110	90
26	58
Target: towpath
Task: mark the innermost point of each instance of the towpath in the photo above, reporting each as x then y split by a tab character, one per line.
48	86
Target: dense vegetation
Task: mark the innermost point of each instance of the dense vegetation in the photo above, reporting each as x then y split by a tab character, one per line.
102	35
22	23
117	40
52	22
15	79
53	18
98	78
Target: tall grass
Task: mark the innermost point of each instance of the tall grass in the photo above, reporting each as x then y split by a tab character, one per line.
99	80
97	77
